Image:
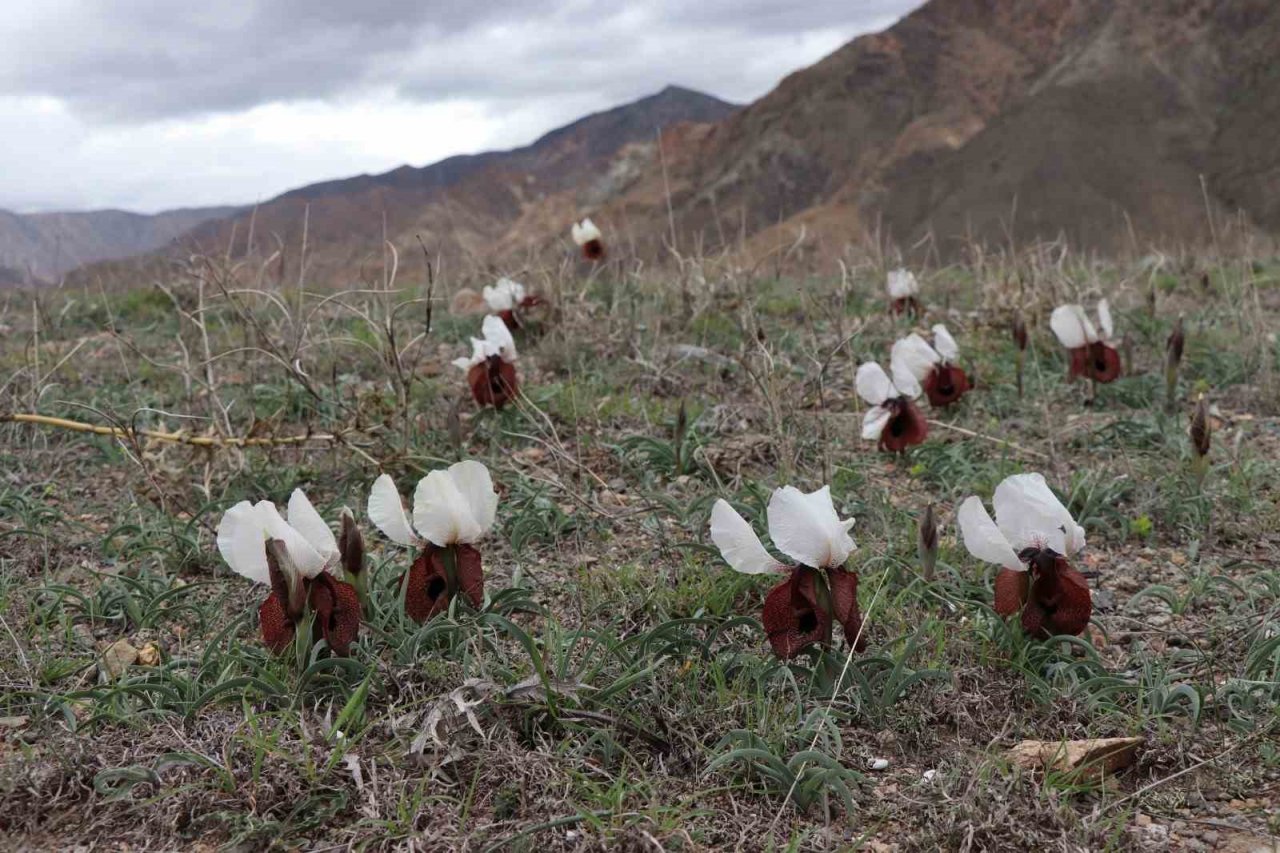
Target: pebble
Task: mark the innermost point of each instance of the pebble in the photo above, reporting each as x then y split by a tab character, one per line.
878	763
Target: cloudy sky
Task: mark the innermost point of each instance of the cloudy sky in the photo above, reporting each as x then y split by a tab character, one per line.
152	104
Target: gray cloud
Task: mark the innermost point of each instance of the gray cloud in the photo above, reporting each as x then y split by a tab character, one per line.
130	60
122	79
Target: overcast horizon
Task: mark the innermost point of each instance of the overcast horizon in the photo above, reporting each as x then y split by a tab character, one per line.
137	105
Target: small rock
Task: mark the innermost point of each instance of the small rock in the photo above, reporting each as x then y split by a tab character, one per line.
149	655
1104	600
878	764
929	775
118	657
1099	755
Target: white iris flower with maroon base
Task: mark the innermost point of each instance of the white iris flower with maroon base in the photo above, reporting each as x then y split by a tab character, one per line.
587	236
819	591
452	510
1031	539
491	369
903	288
934	367
510	300
1093	355
298	559
893	419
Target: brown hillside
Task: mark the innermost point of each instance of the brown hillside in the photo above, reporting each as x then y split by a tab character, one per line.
991	120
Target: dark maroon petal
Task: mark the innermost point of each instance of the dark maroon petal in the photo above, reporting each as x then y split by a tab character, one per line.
844	605
1104	363
337	611
593	250
428	589
945	384
792	619
1061	593
509	319
1079	362
493	382
906	428
470	574
1011	591
277	628
908	305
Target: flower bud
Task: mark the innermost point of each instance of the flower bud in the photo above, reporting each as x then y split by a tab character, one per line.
1201	429
927	542
351	545
1019	329
1172	359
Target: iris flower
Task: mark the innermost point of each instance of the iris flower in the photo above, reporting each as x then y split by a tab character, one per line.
893	419
587	236
903	290
452	510
298	558
491	369
819	591
934	367
1093	356
1031	539
509	300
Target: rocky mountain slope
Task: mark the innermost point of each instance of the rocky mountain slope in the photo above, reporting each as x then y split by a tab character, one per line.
43	246
1108	122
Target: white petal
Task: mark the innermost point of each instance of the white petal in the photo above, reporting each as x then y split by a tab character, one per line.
983	538
903	379
1072	326
242	542
497	338
806	528
306	559
874	422
387	512
914	355
479	352
441	513
902	283
304	519
474	483
1030	516
738	543
1104	319
498	298
873	383
585	232
515	288
945	344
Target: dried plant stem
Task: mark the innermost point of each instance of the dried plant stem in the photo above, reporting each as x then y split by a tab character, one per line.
991	438
173	437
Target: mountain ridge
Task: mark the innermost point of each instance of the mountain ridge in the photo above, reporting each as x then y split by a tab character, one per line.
37	247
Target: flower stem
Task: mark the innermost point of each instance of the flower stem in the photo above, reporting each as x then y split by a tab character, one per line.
449	556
